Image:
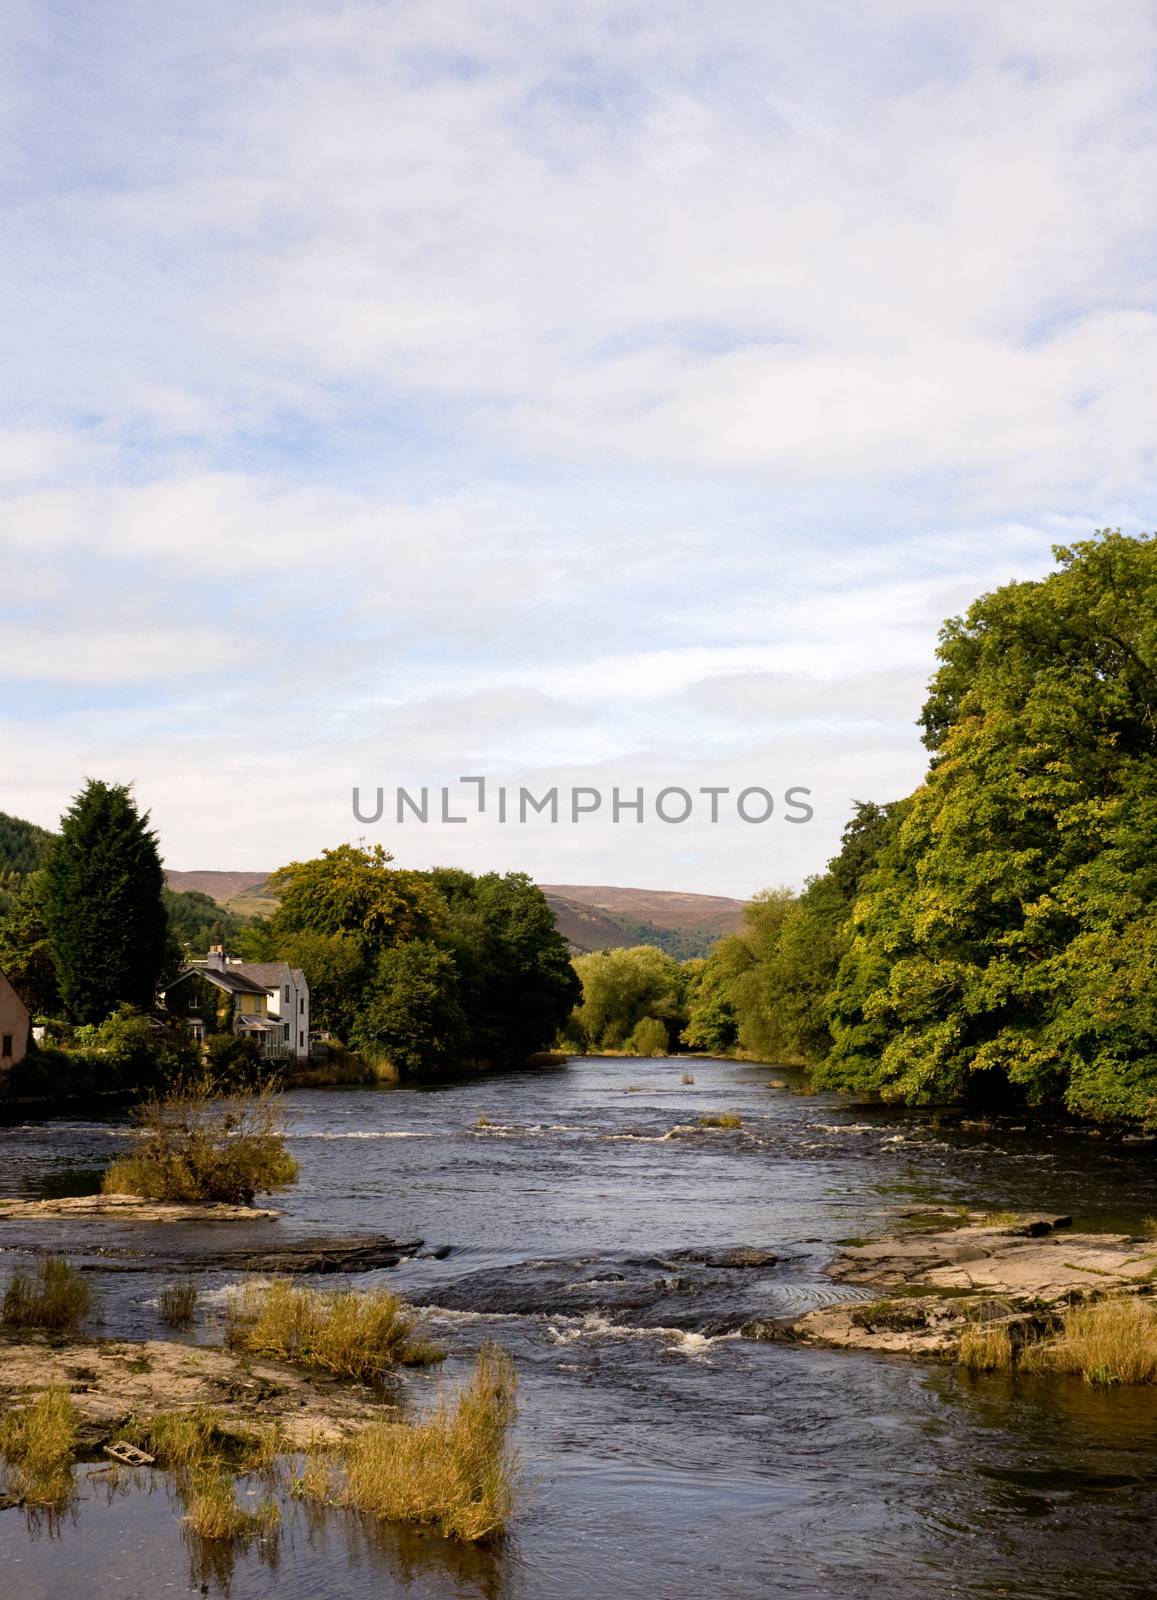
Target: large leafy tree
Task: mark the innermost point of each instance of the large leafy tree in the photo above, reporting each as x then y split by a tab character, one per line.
516	982
101	900
1007	936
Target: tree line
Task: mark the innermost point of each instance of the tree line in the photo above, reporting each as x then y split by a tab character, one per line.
992	936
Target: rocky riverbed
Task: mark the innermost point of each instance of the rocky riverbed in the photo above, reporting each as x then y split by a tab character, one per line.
1023	1272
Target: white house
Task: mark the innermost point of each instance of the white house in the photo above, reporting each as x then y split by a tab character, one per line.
287	1003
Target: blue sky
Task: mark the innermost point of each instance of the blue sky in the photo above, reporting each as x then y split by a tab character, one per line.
620	393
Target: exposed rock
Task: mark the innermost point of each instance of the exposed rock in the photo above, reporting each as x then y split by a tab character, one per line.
742	1255
110	1381
130	1208
1021	1274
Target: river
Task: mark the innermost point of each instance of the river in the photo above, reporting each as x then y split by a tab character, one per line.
666	1453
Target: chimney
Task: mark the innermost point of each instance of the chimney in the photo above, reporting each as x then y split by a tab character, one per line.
216	958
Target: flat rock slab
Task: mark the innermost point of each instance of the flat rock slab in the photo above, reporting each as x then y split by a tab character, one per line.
109	1382
1019	1273
129	1208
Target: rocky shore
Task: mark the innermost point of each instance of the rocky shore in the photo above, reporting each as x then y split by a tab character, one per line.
934	1283
110	1381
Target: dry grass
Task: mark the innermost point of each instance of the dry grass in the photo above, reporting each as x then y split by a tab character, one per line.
1107	1341
52	1295
720	1119
211	1508
688	1079
178	1303
203	1143
354	1334
483	1121
986	1347
998	1219
453	1471
38	1442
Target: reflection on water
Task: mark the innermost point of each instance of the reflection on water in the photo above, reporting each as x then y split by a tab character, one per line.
597	1235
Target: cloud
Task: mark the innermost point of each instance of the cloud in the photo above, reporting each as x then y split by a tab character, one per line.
605	388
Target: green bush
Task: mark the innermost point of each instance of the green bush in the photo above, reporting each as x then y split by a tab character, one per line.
199	1143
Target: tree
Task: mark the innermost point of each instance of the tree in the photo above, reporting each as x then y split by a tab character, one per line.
412	1014
621	987
517	984
1005	940
102	905
25	951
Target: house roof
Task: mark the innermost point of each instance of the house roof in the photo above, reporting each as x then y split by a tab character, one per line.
267	973
232	980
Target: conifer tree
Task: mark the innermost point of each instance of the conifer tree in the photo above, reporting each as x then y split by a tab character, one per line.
101	895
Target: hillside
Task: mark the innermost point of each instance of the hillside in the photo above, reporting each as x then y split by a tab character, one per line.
22	844
663	908
589	918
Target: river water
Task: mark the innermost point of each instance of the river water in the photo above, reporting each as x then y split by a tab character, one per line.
667	1452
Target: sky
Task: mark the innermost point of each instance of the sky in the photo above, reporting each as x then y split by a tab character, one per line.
612	394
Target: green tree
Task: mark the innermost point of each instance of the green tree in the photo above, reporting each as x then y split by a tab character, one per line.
621	987
25	951
412	1014
516	981
1006	937
102	905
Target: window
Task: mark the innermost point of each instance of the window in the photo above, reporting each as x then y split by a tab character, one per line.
301	1007
301	1041
6	1047
287	994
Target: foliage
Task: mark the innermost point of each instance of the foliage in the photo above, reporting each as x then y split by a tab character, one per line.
203	1142
649	1038
52	1295
453	1471
516	982
38	1442
622	987
178	1303
197	921
22	845
102	905
1106	1341
412	1013
355	1334
1007	937
25	951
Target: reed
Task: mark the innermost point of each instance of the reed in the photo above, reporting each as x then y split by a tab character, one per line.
355	1334
211	1508
178	1303
986	1347
52	1295
38	1443
453	1471
1105	1342
720	1119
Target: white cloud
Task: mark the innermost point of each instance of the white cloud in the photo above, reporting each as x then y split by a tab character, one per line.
585	388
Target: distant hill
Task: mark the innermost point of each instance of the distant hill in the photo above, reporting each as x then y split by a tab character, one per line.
598	917
663	908
22	844
219	886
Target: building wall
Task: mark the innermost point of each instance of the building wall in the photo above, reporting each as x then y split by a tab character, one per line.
15	1024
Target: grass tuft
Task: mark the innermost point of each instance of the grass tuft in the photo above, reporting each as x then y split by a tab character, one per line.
453	1471
720	1119
211	1508
356	1334
688	1079
178	1303
52	1295
38	1443
986	1347
1108	1341
998	1219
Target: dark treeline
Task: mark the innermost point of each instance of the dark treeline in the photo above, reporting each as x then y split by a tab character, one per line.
992	936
